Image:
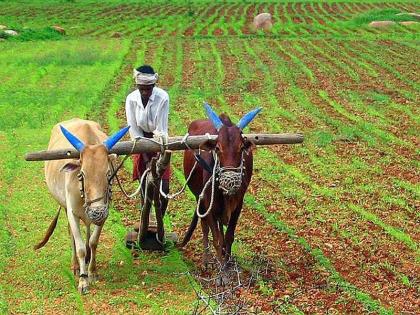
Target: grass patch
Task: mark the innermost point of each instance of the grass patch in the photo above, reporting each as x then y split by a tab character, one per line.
29	34
381	15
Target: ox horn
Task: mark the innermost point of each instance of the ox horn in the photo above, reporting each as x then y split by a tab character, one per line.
75	142
112	140
217	123
248	118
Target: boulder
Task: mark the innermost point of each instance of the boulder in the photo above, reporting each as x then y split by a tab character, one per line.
3	27
11	32
416	15
263	21
408	23
381	24
59	29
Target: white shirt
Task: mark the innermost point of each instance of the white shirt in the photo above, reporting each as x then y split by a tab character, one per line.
153	117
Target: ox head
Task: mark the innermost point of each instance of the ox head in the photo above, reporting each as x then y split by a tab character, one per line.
94	172
230	146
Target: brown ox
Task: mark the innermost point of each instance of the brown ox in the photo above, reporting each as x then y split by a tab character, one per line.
231	161
83	188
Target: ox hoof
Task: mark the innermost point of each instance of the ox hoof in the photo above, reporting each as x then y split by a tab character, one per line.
222	280
83	285
93	277
207	261
83	289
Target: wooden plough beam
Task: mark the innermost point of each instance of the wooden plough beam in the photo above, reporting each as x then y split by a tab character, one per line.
174	144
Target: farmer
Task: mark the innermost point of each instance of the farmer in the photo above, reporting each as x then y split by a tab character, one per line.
147	110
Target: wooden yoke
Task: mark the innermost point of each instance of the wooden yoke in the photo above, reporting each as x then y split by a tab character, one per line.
174	144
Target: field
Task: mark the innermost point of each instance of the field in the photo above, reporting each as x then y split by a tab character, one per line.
335	220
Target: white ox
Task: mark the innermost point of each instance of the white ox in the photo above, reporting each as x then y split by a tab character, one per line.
83	188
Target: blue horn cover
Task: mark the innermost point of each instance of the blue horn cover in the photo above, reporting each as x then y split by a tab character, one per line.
75	142
248	118
217	123
112	140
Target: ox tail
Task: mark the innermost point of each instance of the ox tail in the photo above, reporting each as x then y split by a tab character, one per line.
49	232
190	231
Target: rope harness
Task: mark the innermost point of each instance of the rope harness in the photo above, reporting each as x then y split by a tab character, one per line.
96	214
229	178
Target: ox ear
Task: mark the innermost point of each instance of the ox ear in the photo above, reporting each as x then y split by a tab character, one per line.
75	142
248	146
70	166
248	118
112	140
211	114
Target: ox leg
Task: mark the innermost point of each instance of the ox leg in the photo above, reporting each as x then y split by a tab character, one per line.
223	278
93	244
206	254
87	258
217	237
74	261
80	249
230	232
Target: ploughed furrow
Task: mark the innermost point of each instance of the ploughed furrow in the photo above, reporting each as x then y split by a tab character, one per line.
381	75
383	68
249	15
232	18
268	62
218	26
341	58
328	16
214	13
408	166
308	181
316	17
198	17
402	68
331	85
348	218
239	19
312	281
305	18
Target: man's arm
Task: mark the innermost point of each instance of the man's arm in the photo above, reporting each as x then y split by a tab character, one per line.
162	125
130	112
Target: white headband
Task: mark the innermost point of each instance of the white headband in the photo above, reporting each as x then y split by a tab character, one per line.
144	78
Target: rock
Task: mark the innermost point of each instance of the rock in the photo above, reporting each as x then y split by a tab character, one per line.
416	15
3	27
263	21
116	35
380	24
11	32
59	29
408	23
